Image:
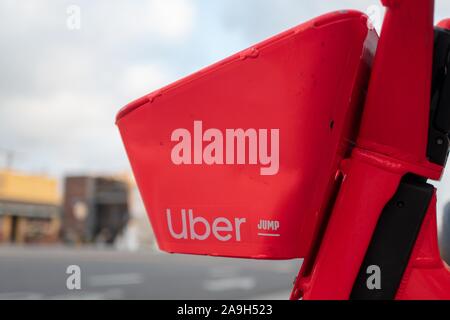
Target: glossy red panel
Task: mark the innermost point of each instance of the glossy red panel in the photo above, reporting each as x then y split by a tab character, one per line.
240	158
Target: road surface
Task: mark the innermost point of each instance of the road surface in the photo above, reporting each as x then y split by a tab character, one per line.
40	273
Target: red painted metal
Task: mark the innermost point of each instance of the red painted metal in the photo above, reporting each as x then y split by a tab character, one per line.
445	24
350	227
396	114
392	142
325	198
427	276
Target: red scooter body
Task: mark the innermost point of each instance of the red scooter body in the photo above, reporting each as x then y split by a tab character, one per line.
392	143
293	98
278	152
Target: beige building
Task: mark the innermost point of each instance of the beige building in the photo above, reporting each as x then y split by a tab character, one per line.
29	208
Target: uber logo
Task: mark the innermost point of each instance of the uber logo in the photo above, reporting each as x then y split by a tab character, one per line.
221	228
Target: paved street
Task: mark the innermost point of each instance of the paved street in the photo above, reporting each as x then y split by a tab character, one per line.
40	273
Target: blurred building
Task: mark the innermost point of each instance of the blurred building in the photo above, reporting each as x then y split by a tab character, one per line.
29	208
138	233
95	209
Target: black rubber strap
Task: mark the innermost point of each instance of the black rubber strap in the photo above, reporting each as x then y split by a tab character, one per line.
439	128
394	239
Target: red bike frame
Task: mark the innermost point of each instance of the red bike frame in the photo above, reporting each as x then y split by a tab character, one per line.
392	143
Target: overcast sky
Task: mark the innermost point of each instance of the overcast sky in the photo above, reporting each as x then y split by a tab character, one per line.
60	86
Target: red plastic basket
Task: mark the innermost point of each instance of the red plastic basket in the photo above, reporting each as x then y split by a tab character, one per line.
241	158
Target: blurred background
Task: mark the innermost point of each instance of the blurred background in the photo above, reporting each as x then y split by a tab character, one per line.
67	196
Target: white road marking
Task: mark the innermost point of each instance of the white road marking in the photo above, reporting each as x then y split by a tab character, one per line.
282	295
21	296
113	294
287	267
223	272
120	279
238	283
